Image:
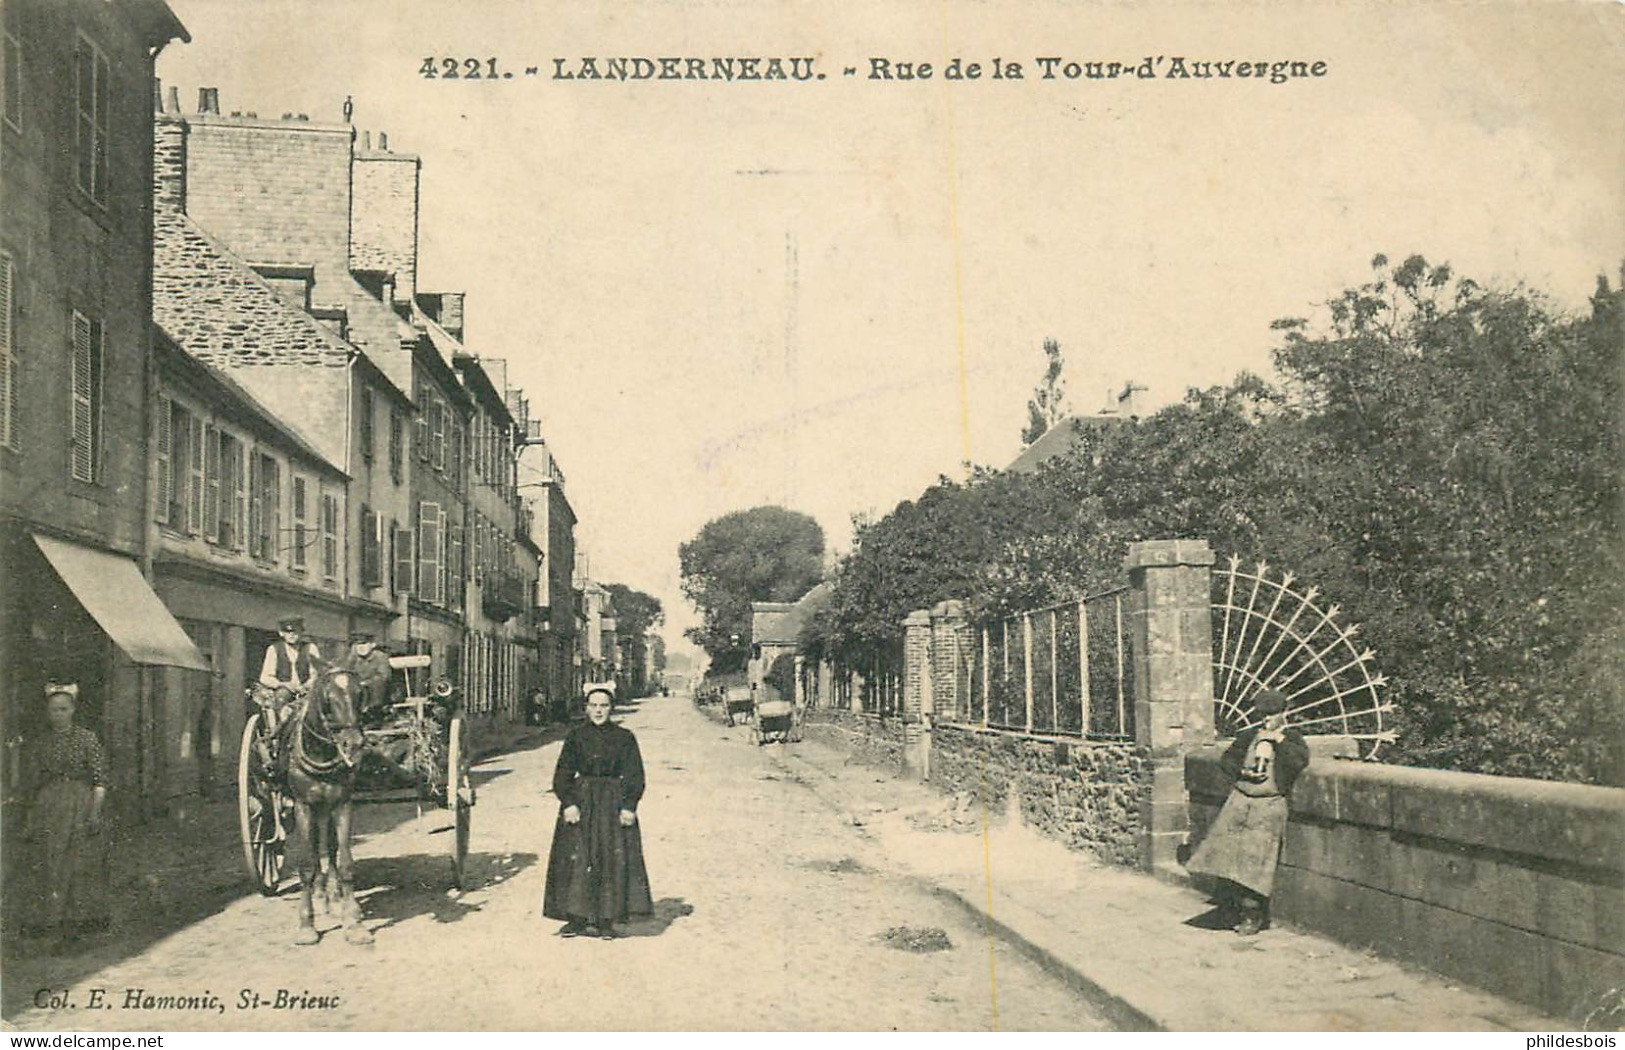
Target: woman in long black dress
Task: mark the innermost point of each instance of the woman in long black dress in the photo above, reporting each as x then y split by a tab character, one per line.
595	872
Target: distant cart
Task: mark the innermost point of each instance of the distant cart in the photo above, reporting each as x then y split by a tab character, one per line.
734	705
776	721
426	729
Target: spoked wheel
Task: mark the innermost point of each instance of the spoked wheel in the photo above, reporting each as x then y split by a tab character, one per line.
262	813
459	799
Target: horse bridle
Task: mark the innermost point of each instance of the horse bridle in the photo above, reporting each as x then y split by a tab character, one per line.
307	762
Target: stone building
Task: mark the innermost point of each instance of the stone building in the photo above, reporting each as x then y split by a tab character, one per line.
554	522
248	524
275	196
75	371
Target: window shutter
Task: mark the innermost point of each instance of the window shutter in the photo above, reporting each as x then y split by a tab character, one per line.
194	491
429	551
371	570
366	425
330	539
239	501
454	564
164	475
8	352
405	558
273	509
300	532
256	506
437	421
211	484
83	432
421	431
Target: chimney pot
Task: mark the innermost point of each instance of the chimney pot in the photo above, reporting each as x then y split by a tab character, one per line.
208	100
366	140
157	95
383	141
175	100
288	115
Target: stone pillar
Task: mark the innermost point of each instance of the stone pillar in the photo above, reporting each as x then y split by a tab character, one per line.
916	692
1170	625
950	657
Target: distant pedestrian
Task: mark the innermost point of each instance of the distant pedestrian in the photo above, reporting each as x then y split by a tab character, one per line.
595	871
1244	843
64	841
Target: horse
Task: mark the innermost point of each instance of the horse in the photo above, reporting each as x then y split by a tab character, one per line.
321	746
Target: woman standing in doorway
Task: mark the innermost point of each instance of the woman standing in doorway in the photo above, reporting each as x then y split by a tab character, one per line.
595	872
66	861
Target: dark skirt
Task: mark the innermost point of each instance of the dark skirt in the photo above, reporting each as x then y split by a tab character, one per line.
66	863
595	870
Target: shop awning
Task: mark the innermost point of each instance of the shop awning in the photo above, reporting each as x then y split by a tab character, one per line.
118	597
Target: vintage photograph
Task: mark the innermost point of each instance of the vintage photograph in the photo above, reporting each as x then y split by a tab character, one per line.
776	515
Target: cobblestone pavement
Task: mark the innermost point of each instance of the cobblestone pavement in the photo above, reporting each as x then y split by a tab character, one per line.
771	911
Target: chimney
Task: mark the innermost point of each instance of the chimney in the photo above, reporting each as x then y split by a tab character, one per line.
366	141
383	142
169	155
208	101
451	314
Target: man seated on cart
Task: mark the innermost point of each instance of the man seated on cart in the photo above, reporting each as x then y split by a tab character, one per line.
375	678
290	665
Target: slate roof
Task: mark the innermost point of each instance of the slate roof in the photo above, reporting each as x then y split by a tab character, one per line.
219	310
1057	441
246	409
781	623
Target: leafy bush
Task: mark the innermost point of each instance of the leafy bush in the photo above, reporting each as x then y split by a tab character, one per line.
1441	459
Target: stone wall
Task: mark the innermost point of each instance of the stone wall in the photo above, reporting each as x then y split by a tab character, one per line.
869	738
384	217
1087	795
1517	886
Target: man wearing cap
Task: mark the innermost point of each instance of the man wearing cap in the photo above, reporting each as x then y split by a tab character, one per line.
290	662
1242	846
373	674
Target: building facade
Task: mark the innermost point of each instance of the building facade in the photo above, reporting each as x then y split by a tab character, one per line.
75	371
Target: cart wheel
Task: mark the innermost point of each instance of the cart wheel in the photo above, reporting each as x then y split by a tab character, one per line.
260	813
459	800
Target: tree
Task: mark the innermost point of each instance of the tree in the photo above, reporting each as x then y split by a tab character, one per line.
1442	460
1047	406
637	614
765	554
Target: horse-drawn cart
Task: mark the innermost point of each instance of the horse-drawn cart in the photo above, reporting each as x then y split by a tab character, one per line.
418	753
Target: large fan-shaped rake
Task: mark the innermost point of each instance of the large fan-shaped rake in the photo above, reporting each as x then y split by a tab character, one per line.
1267	635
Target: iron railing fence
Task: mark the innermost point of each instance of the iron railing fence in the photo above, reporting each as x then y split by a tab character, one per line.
1061	670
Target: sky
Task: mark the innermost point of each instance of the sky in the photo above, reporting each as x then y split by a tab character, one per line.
827	294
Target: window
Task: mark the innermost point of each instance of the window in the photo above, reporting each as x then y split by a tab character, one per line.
429	532
177	478
397	435
301	540
13	63
186	470
372	541
454	455
211	483
226	498
330	536
265	505
86	455
454	563
93	103
405	557
8	348
366	425
437	433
